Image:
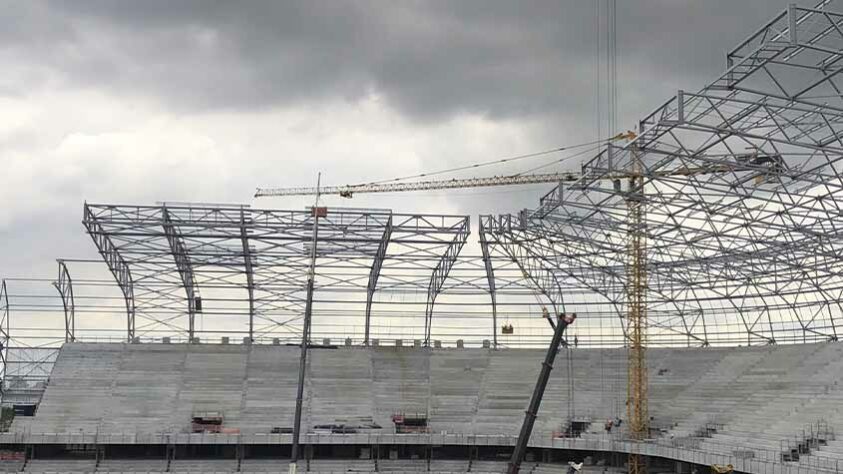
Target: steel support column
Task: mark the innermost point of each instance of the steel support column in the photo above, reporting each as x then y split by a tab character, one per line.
440	274
375	272
184	266
490	277
64	285
5	316
116	264
250	278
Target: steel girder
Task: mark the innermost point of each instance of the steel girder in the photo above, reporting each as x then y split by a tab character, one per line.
64	285
249	265
184	267
116	265
5	317
266	253
375	272
533	267
490	277
440	272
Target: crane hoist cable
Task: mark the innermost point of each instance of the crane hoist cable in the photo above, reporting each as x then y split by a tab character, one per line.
556	162
400	184
501	161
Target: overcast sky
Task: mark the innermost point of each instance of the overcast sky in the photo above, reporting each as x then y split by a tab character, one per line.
139	102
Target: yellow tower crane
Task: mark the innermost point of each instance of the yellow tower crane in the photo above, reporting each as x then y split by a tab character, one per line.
637	406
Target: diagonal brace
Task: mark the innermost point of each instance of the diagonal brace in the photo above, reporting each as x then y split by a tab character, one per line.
184	266
374	274
250	278
116	264
440	274
64	285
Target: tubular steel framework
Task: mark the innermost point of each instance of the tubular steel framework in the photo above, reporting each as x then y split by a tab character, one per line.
742	189
256	258
738	187
64	285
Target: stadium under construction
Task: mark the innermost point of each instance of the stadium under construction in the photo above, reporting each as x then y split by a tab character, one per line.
684	286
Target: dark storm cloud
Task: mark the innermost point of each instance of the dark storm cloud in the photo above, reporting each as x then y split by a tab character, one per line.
429	60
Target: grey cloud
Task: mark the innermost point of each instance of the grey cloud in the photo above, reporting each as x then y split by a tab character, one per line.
430	60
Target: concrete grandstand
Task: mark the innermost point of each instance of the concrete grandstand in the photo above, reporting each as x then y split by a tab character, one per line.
107	405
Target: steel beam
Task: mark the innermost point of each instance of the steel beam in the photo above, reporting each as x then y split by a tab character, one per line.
374	273
490	278
116	264
184	266
533	267
250	275
440	273
64	285
5	327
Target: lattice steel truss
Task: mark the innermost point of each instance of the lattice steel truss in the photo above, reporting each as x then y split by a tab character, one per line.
743	195
24	369
740	196
164	257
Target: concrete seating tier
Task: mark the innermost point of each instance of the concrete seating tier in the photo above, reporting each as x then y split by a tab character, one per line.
203	465
448	465
402	465
265	465
10	466
487	466
132	465
45	466
750	398
341	465
400	383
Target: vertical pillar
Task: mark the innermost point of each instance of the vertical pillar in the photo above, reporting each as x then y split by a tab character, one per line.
490	277
5	314
64	285
250	281
182	260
